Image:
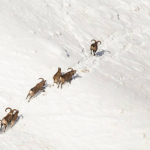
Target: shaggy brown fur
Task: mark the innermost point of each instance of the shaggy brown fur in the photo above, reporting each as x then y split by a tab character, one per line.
94	46
57	76
37	88
7	119
14	117
66	77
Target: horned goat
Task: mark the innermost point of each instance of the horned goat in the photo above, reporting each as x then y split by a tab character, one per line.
57	76
7	119
35	89
66	77
94	46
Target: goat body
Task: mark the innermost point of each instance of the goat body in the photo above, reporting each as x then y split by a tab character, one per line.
7	119
66	77
94	46
36	88
14	117
57	76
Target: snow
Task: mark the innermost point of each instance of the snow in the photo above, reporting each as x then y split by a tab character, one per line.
106	107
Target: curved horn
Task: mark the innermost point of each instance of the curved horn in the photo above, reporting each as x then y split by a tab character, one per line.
14	110
70	68
93	40
8	108
41	78
99	42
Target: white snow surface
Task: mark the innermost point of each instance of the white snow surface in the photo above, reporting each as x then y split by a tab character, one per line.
107	105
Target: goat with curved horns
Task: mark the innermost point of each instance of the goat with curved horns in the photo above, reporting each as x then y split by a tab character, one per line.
66	77
7	119
35	89
94	46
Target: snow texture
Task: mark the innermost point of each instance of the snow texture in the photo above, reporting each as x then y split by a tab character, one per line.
107	105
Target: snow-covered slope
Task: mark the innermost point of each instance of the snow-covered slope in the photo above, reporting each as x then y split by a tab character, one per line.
106	107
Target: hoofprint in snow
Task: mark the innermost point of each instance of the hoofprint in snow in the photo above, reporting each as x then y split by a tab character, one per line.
106	106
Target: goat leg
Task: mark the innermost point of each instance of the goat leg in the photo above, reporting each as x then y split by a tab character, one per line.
12	124
58	84
5	127
30	98
91	52
62	84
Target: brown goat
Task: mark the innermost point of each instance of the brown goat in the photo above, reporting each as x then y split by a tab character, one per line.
36	88
94	46
14	117
7	119
57	76
66	77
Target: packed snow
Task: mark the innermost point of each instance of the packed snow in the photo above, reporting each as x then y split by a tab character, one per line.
107	104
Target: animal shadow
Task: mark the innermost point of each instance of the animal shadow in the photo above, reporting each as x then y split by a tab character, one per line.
101	53
46	85
9	126
1	131
19	117
3	128
63	73
76	76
